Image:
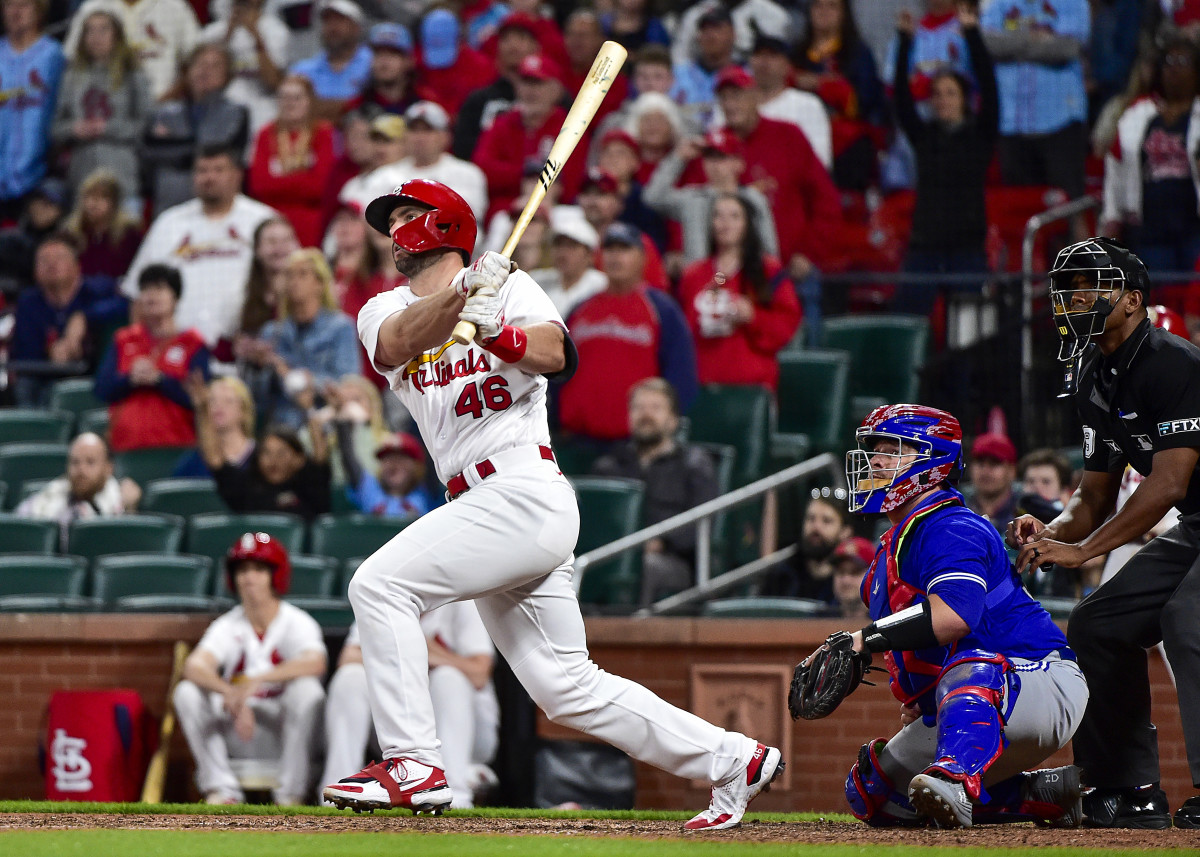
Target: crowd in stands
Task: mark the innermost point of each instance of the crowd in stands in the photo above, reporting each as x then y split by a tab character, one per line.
182	187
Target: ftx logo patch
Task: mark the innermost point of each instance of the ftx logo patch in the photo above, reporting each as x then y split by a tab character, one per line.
1177	426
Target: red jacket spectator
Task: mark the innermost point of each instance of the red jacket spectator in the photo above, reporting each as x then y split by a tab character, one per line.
728	353
548	36
294	183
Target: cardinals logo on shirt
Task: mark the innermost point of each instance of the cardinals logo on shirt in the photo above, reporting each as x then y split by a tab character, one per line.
428	369
189	252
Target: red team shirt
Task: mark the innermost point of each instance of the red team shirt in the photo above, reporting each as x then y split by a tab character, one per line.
504	148
297	195
147	418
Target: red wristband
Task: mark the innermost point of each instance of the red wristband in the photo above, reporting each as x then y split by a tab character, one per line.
509	345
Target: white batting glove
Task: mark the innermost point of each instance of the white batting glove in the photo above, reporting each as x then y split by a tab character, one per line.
483	309
490	268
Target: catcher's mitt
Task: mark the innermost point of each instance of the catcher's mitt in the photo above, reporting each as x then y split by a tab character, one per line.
826	677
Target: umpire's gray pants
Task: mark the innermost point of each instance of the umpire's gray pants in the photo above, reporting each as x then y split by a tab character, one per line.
1154	598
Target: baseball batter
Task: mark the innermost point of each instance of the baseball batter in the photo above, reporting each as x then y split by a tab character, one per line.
507	537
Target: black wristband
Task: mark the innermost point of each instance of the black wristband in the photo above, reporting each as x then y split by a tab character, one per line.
907	631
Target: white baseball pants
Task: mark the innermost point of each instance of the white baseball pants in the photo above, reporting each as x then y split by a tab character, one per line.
294	717
507	543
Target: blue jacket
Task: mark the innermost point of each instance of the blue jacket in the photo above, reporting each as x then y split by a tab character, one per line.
327	347
28	92
39	324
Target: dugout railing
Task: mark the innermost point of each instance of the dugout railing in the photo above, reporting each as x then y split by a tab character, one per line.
702	517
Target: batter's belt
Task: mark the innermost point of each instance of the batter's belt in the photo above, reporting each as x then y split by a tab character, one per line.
483	469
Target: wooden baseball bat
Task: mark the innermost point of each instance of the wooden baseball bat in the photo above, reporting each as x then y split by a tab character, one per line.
604	70
156	773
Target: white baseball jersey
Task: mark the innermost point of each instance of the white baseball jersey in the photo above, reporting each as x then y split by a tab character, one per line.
468	403
240	652
456	626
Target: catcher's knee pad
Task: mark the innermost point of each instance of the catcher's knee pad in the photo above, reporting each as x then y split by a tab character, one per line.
869	790
973	699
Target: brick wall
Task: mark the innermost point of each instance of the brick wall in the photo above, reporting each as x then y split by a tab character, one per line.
43	653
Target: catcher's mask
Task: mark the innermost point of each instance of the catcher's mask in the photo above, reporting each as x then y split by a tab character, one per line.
1082	281
928	451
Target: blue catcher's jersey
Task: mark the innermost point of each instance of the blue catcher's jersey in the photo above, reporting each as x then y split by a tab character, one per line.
957	555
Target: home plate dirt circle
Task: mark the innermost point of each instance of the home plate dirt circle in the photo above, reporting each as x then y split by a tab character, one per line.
817	832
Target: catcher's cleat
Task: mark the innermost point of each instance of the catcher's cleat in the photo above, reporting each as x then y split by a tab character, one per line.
1055	795
943	801
730	798
393	784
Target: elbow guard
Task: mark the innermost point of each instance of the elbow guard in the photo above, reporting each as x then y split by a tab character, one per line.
907	631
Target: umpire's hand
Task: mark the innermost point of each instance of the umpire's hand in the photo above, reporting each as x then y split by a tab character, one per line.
1022	531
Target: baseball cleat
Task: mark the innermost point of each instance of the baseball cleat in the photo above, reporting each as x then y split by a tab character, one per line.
1140	808
944	801
730	799
1054	790
392	784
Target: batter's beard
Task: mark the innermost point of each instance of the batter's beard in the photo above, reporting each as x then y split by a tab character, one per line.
410	264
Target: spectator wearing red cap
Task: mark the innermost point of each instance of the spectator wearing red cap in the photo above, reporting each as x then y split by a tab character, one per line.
992	469
619	155
526	133
515	41
696	79
740	305
723	159
602	203
397	491
781	164
447	69
851	559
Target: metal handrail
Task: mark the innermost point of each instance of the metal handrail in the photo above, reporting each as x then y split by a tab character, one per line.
702	516
1033	226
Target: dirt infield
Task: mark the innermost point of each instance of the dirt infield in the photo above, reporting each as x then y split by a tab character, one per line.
820	832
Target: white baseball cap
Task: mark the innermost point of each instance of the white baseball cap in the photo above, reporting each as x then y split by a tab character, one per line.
346	8
429	112
569	222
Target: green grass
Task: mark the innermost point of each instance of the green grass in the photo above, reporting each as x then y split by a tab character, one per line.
170	843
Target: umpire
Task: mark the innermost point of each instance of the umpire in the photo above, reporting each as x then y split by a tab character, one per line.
1137	389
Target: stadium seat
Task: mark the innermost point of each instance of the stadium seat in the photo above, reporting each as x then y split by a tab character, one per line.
212	535
29	488
21	425
346	536
75	395
95	537
575	458
146	465
312	576
21	462
94	420
813	390
886	353
608	510
185	497
151	581
22	535
348	568
762	608
332	614
37	574
741	417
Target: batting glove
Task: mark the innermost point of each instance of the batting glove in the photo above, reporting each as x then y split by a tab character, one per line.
491	268
483	309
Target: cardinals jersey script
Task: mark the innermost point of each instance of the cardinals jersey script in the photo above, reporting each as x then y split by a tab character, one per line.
468	403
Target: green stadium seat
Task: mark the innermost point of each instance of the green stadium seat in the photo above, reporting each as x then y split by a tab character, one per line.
346	536
348	568
185	497
22	425
332	614
886	353
24	535
21	462
75	395
95	420
38	574
312	576
3	495
212	535
1057	606
46	604
95	537
741	417
29	488
146	465
608	510
762	608
575	458
813	390
151	581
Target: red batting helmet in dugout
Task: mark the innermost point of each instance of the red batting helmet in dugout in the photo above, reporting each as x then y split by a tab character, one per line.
449	223
264	548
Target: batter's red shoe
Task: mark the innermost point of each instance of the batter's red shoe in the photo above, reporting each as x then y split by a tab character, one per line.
730	799
392	784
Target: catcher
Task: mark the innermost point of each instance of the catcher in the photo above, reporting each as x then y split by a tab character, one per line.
987	684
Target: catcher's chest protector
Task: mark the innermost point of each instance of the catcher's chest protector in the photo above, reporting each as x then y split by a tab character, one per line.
96	745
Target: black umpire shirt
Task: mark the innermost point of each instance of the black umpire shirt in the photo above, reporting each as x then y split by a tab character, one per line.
1141	399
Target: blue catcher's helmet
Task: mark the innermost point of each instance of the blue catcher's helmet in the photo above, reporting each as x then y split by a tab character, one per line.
1083	278
932	438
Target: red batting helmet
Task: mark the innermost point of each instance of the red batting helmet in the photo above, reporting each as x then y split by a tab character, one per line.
449	223
1168	319
264	548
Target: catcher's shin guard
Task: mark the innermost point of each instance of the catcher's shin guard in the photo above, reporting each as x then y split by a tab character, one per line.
871	795
971	704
